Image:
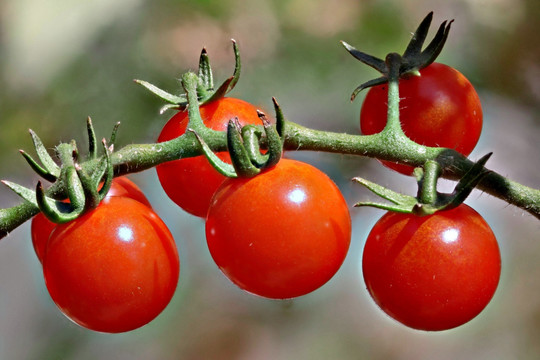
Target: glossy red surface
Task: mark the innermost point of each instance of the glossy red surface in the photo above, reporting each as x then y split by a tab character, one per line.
434	272
41	227
114	269
280	234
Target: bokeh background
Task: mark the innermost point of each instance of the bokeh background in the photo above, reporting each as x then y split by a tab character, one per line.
62	60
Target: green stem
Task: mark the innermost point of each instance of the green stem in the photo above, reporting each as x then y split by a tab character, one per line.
136	158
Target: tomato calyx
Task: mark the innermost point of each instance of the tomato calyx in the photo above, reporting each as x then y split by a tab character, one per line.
76	187
428	200
244	145
205	90
412	60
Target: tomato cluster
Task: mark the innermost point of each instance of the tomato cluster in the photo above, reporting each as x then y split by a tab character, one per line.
281	234
115	268
284	232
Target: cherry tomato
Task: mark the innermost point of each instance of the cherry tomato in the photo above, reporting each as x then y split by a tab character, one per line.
191	182
41	227
280	234
434	272
438	108
113	269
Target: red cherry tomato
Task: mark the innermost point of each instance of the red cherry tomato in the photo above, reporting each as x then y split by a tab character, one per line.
113	269
41	227
280	234
434	272
191	182
439	108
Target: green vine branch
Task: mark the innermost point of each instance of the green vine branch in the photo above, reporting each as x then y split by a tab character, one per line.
137	158
391	144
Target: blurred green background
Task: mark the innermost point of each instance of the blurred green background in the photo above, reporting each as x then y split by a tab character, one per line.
61	61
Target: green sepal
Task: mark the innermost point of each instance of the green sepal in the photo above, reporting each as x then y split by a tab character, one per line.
222	167
273	140
251	135
175	102
55	211
370	60
239	155
60	212
220	92
413	59
229	83
419	36
400	202
92	151
37	168
106	171
74	152
112	139
374	82
166	107
206	78
280	119
43	155
91	181
428	200
466	184
25	193
204	87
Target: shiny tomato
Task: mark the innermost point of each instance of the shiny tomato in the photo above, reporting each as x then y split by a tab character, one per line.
434	272
41	227
280	234
438	108
191	182
113	269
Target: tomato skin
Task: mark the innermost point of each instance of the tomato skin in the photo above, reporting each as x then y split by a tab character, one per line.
40	230
122	186
281	234
439	108
434	272
41	227
192	182
114	269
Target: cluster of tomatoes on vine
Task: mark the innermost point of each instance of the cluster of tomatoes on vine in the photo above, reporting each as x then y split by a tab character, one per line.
284	232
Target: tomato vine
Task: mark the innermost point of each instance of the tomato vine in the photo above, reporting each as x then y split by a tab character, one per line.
392	147
257	228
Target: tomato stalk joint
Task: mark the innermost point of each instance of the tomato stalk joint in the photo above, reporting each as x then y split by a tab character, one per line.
428	200
413	59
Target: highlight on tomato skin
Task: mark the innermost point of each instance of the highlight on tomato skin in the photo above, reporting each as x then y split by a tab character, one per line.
41	227
438	108
281	234
114	269
434	272
192	182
